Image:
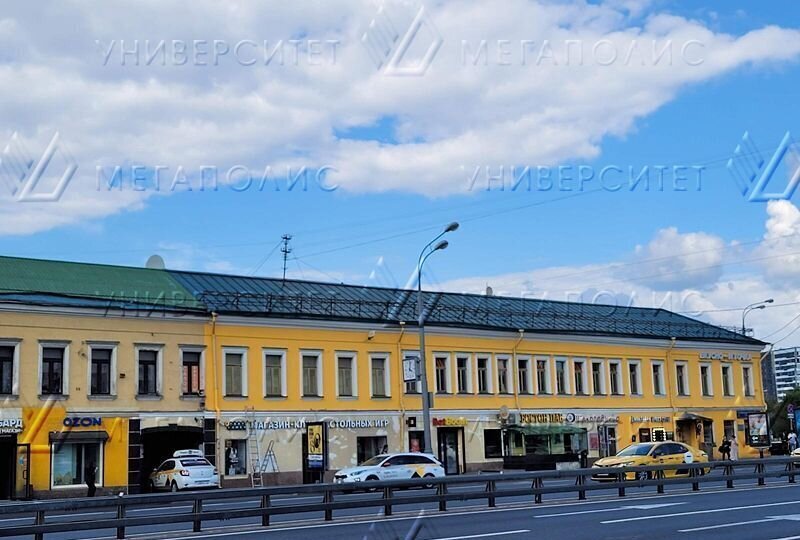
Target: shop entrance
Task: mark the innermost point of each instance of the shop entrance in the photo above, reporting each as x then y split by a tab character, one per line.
15	462
451	449
159	443
607	436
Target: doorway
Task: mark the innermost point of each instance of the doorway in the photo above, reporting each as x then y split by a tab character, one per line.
15	463
607	436
159	443
451	450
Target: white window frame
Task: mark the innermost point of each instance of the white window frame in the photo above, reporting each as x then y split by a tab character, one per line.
729	379
509	373
112	383
273	352
620	385
584	375
748	383
245	386
548	375
202	378
567	372
468	358
417	384
100	477
15	343
490	375
448	373
528	379
159	350
65	368
709	379
685	366
603	391
387	376
661	381
638	364
338	355
320	389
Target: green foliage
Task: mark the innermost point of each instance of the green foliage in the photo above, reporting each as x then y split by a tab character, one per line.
778	417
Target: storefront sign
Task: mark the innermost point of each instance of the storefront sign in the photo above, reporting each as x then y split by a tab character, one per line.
10	426
358	424
574	418
270	425
315	450
651	419
82	421
449	422
708	355
541	418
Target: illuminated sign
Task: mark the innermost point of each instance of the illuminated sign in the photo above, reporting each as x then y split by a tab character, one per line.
651	419
82	421
449	422
541	418
708	355
10	425
316	445
269	425
758	429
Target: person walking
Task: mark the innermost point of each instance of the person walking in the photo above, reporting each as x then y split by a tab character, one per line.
725	449
734	451
792	440
90	476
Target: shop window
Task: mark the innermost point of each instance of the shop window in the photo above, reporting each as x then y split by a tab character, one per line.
503	387
658	378
727	380
484	368
344	373
615	378
312	374
367	447
562	384
463	375
680	376
543	376
274	373
148	367
706	385
53	370
598	378
416	441
72	461
524	376
634	378
579	367
190	371
236	457
442	363
100	359
235	373
7	369
747	379
379	376
492	443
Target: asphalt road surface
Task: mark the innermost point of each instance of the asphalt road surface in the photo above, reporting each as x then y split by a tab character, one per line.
747	512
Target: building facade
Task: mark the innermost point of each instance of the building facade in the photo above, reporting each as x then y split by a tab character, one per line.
93	376
786	365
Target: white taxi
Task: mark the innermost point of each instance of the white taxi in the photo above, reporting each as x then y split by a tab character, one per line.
187	469
402	466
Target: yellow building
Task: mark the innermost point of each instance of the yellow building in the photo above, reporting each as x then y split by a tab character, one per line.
118	367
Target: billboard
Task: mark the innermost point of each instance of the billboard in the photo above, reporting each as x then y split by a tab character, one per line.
758	429
317	443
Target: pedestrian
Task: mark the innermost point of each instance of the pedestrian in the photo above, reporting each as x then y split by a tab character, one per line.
792	440
90	476
734	451
725	449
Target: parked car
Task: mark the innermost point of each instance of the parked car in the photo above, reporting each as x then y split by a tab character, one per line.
187	469
641	454
400	466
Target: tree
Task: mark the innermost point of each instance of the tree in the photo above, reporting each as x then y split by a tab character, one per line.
778	417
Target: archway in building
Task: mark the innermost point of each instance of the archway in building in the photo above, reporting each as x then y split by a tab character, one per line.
159	443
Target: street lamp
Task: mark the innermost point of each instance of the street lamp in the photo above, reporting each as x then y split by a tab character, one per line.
426	397
751	307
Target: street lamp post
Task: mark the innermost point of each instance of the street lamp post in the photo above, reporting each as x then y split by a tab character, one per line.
751	307
426	396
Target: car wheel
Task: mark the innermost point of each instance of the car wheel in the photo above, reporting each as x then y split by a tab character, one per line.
643	475
173	487
428	486
371	479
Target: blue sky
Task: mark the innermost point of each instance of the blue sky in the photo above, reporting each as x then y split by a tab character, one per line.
342	235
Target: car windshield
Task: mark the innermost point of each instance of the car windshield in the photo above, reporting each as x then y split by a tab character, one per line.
195	462
636	450
371	462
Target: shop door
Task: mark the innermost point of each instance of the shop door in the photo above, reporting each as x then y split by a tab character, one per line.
23	471
708	438
15	461
608	440
451	449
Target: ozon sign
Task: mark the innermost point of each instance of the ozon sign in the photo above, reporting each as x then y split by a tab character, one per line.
82	421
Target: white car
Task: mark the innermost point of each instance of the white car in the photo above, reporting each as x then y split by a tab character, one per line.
186	469
403	466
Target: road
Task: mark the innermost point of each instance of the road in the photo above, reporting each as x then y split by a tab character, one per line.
747	512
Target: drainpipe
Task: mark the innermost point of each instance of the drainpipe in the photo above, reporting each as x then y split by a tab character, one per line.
216	388
515	379
668	379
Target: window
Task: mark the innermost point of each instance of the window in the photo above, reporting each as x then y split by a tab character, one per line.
442	363
367	447
524	375
463	374
561	376
484	382
682	385
543	375
706	386
71	462
235	372
312	374
615	378
658	378
634	377
727	380
9	368
412	387
53	370
100	370
191	383
274	373
345	374
598	378
747	379
579	367
492	443
380	375
148	360
235	457
503	386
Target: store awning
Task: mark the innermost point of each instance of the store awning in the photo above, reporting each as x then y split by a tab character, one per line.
78	436
549	429
687	416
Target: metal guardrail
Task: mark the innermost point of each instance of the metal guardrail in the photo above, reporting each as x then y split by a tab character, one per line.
486	488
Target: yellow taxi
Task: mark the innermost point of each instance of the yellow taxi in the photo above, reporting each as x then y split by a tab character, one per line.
646	454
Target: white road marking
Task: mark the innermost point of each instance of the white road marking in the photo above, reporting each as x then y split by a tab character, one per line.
698	512
486	535
618	509
787	517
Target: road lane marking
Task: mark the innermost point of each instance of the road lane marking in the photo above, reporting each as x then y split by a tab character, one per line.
485	535
786	517
698	512
631	507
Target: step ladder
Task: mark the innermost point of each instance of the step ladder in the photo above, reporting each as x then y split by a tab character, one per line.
269	463
253	449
